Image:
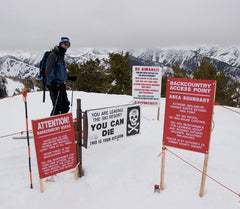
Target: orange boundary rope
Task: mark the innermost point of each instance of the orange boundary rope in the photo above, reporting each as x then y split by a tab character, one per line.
21	132
10	96
216	181
217	104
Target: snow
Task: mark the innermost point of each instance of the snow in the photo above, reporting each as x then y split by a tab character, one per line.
12	86
120	174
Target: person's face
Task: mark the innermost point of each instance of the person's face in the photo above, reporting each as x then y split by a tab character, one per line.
65	45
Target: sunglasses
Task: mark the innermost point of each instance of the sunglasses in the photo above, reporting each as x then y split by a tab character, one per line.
66	44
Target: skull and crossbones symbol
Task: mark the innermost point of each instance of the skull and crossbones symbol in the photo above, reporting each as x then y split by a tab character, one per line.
133	117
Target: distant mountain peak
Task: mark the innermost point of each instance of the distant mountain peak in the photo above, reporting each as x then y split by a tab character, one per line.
24	64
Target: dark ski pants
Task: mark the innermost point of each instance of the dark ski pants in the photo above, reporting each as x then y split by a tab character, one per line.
59	101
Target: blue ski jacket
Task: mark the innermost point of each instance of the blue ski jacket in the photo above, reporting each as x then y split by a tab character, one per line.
56	67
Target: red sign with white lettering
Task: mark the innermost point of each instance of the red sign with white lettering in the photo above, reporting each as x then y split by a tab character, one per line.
54	144
188	113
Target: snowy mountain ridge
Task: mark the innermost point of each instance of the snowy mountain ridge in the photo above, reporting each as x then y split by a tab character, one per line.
24	64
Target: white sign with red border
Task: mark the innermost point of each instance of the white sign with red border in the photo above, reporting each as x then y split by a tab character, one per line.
146	85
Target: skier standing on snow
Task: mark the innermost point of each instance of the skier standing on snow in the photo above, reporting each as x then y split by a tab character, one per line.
56	74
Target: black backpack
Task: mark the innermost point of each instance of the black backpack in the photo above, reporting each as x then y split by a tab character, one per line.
41	74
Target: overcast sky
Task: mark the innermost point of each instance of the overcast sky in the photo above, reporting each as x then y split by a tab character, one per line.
39	24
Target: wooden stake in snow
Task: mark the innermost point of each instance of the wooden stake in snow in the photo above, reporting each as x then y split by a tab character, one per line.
162	168
41	185
79	137
201	193
158	114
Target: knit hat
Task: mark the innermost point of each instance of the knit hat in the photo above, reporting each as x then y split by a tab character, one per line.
64	40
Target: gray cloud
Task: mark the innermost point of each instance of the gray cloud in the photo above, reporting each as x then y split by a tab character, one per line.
39	24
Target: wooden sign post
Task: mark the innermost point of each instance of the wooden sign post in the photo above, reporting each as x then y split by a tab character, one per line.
188	118
158	114
79	137
162	168
201	193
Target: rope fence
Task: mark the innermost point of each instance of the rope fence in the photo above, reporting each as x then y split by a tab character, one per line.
199	170
217	104
11	96
20	132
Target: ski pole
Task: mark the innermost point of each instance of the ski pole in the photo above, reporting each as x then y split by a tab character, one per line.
55	105
72	95
44	88
27	131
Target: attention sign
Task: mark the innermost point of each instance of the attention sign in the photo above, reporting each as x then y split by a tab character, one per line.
54	144
146	85
188	113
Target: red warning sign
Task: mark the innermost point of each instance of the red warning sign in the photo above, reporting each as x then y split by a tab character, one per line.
54	144
188	113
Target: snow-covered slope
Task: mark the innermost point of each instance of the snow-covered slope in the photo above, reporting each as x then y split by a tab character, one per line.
12	86
120	174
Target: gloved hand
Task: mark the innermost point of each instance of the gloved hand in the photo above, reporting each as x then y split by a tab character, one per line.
72	78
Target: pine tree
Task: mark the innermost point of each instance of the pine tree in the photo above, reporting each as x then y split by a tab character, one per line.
91	76
3	91
120	73
224	89
235	93
179	72
164	86
223	92
206	70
